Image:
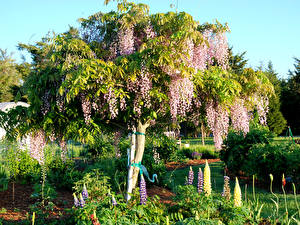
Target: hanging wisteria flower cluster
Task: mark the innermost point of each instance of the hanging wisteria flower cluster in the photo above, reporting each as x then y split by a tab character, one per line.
181	94
218	121
126	41
141	86
63	148
111	99
45	108
37	144
262	108
240	117
86	107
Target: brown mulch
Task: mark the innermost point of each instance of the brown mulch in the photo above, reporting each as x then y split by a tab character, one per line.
18	210
192	162
164	194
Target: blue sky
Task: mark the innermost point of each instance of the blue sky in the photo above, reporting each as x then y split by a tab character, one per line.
265	29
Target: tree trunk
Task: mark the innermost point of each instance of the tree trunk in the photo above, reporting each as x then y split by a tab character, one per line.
131	154
202	134
139	147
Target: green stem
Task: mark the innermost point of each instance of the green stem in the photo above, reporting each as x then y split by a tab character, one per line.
246	193
271	189
295	195
253	185
285	203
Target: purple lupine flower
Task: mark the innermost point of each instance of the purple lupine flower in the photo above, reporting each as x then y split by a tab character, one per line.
81	201
85	194
200	181
191	176
196	155
143	191
113	201
76	201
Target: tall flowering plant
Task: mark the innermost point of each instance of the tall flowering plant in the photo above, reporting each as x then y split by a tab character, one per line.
207	180
226	189
200	181
191	177
237	194
143	191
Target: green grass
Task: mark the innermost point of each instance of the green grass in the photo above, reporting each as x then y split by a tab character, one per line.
198	141
178	177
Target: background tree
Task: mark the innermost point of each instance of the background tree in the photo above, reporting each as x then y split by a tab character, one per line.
9	76
275	120
237	62
290	105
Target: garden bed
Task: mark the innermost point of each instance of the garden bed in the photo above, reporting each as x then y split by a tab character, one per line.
193	162
19	210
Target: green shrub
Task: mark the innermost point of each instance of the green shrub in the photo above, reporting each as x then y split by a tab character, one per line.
21	166
235	152
274	158
102	148
63	175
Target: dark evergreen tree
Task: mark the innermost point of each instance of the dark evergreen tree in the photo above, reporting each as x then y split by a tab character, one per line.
290	106
275	119
237	62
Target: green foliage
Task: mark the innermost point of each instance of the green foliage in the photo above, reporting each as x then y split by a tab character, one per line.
49	193
21	166
63	175
9	76
4	177
97	184
205	152
166	147
101	148
290	98
237	62
275	120
237	146
274	158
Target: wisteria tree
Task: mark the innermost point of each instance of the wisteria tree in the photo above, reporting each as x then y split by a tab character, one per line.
131	69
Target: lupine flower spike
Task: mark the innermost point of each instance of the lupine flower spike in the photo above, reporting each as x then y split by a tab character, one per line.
81	201
226	190
143	191
191	176
200	181
237	194
76	202
113	201
85	194
207	182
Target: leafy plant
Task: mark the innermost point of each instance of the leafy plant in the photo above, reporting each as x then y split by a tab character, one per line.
237	146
